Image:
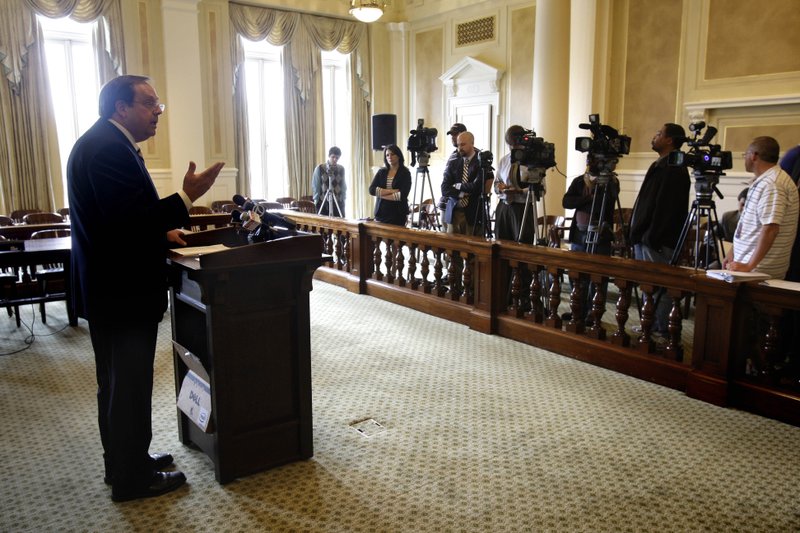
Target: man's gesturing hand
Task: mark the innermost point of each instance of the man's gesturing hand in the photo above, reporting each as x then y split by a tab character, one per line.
196	185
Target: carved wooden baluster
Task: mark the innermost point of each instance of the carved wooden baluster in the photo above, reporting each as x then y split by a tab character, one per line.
620	337
536	313
553	320
674	348
438	287
467	287
326	241
514	307
376	259
426	285
769	348
454	274
596	330
576	298
399	262
389	260
645	342
339	253
412	266
346	253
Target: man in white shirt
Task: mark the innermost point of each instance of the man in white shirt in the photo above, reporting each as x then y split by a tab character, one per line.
768	223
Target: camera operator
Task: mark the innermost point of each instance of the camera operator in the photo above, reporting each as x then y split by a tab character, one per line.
512	198
768	223
584	196
329	175
660	210
462	186
581	197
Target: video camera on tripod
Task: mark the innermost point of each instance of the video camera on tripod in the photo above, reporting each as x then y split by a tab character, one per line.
605	146
707	160
534	153
708	163
421	143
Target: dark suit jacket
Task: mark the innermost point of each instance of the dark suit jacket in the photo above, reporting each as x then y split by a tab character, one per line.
119	227
392	212
452	175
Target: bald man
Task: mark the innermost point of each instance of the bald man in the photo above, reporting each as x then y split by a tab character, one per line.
462	186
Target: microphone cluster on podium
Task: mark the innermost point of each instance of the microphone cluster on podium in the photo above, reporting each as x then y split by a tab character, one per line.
262	225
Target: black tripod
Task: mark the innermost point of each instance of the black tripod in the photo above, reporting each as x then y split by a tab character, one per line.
483	218
532	197
422	173
598	224
705	185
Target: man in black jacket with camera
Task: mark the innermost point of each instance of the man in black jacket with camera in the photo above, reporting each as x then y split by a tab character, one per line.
463	187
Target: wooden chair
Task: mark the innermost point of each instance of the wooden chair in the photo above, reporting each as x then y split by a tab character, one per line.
304	206
271	206
8	280
200	210
216	205
49	277
310	198
286	201
19	213
64	212
6	221
228	207
545	225
622	223
42	218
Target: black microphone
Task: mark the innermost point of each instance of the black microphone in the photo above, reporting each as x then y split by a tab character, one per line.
264	215
585	126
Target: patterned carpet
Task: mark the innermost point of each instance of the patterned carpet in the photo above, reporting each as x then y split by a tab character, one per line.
477	433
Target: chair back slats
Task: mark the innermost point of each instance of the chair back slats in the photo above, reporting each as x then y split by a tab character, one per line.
42	218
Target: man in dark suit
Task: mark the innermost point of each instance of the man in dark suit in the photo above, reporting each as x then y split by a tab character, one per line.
462	186
120	233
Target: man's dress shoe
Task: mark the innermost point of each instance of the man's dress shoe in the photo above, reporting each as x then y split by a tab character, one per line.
161	483
158	461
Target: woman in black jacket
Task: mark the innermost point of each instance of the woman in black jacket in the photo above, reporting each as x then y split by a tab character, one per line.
391	186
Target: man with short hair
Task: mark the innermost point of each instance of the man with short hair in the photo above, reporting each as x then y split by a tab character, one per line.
454	131
511	195
114	206
660	211
768	223
462	186
329	176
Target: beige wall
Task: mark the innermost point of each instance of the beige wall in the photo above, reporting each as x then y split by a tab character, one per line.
520	67
427	89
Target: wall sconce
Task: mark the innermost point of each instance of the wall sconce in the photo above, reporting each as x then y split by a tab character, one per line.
366	10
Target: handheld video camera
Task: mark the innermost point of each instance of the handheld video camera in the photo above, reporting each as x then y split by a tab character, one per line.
534	153
421	143
702	157
485	160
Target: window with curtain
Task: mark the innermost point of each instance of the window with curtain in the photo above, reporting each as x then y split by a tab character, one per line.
265	117
72	77
336	108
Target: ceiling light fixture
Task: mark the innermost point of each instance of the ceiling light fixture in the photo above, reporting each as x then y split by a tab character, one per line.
366	10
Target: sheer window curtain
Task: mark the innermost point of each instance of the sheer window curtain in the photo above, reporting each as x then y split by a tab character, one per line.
303	37
30	169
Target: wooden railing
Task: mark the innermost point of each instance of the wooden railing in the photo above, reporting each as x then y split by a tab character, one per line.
522	292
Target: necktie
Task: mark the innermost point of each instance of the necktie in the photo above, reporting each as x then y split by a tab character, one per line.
463	202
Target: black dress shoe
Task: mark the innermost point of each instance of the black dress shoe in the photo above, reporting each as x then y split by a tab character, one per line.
161	483
158	461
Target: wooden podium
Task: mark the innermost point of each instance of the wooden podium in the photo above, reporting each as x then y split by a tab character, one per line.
243	314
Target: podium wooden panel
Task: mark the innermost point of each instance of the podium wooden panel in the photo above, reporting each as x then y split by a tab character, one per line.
244	314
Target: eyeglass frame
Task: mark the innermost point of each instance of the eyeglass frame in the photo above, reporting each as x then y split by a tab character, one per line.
152	106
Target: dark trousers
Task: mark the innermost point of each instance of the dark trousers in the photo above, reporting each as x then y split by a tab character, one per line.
124	355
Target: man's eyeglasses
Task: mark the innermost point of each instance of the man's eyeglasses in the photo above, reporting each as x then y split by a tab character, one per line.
152	105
